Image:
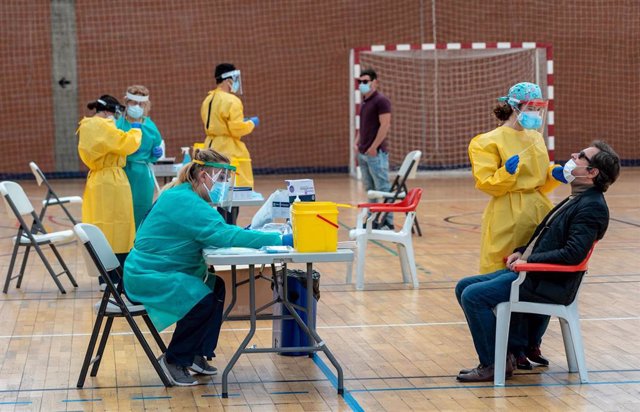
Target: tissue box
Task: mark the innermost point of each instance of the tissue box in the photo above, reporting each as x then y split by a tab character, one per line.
301	188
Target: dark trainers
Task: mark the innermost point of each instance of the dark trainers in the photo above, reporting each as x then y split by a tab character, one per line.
178	375
200	365
534	355
523	363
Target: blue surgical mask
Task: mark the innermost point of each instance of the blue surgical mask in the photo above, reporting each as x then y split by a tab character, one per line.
135	111
217	192
364	88
530	120
235	86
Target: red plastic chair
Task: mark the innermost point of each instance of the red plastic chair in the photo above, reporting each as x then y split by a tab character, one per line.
365	232
568	316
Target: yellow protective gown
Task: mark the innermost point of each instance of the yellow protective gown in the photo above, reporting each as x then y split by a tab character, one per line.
107	201
226	127
519	201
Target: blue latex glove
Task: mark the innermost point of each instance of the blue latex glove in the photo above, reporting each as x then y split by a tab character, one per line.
558	174
512	164
156	152
287	240
136	125
255	120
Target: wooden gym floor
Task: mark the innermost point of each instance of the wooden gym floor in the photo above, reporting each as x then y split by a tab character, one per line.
400	348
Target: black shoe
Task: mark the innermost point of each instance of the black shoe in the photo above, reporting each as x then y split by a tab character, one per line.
535	356
523	363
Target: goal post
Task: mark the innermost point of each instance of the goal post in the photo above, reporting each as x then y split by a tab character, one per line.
442	95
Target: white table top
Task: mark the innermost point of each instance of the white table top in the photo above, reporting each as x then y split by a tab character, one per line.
257	201
341	255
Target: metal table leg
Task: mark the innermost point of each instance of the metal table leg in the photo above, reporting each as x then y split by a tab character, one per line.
247	339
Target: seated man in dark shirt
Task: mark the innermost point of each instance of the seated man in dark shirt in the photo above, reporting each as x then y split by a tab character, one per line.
565	236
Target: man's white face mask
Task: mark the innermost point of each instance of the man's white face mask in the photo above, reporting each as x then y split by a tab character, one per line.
569	167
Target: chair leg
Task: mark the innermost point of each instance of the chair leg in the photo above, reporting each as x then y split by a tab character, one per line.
417	226
411	262
103	343
49	268
578	348
362	254
66	211
145	347
90	348
14	255
64	265
569	348
503	317
154	333
23	266
404	262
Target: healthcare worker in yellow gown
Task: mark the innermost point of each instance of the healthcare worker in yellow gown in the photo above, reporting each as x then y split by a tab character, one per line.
511	164
166	272
224	121
103	148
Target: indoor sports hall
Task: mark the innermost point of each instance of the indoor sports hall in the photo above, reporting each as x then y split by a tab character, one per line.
389	332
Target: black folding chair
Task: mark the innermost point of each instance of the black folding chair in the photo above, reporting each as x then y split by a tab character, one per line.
399	190
34	236
52	198
101	261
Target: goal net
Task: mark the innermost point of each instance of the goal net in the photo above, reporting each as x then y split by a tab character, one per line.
443	95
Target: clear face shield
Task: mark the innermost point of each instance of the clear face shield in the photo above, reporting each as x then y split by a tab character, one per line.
236	86
532	114
221	182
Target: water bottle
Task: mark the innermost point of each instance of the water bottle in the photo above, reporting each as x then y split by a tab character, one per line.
186	157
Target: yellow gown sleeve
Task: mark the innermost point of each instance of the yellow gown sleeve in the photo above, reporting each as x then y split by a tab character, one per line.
551	184
490	175
119	142
237	126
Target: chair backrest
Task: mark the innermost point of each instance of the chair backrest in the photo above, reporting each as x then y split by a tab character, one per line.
409	166
37	173
18	198
93	239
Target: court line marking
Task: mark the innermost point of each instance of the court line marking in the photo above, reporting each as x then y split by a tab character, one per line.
346	396
361	326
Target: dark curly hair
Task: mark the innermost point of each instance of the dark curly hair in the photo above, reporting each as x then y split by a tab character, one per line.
607	162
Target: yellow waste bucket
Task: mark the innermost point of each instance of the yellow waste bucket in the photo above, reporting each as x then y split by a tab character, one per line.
315	226
197	146
244	173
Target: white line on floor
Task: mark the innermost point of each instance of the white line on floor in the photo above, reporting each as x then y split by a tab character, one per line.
383	325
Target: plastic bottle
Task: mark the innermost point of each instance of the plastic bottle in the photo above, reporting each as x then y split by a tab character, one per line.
186	157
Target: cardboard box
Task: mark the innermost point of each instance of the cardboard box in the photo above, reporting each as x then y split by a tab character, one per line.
302	189
264	294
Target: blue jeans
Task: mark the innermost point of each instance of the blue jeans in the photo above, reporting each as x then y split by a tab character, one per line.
375	176
478	295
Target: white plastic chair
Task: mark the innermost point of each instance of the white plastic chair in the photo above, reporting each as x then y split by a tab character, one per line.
52	198
568	316
402	238
18	205
101	261
399	190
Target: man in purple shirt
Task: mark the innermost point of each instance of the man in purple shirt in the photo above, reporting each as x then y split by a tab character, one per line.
371	141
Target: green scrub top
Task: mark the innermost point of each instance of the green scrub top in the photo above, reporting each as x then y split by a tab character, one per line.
138	167
165	270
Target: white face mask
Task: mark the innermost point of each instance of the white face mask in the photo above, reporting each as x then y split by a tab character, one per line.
568	168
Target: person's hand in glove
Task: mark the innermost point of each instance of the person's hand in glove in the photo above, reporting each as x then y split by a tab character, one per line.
255	120
156	152
558	174
511	165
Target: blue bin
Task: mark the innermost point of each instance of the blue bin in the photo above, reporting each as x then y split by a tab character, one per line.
286	332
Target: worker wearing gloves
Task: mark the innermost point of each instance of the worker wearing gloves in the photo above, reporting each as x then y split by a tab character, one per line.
167	273
511	164
103	148
224	121
139	164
